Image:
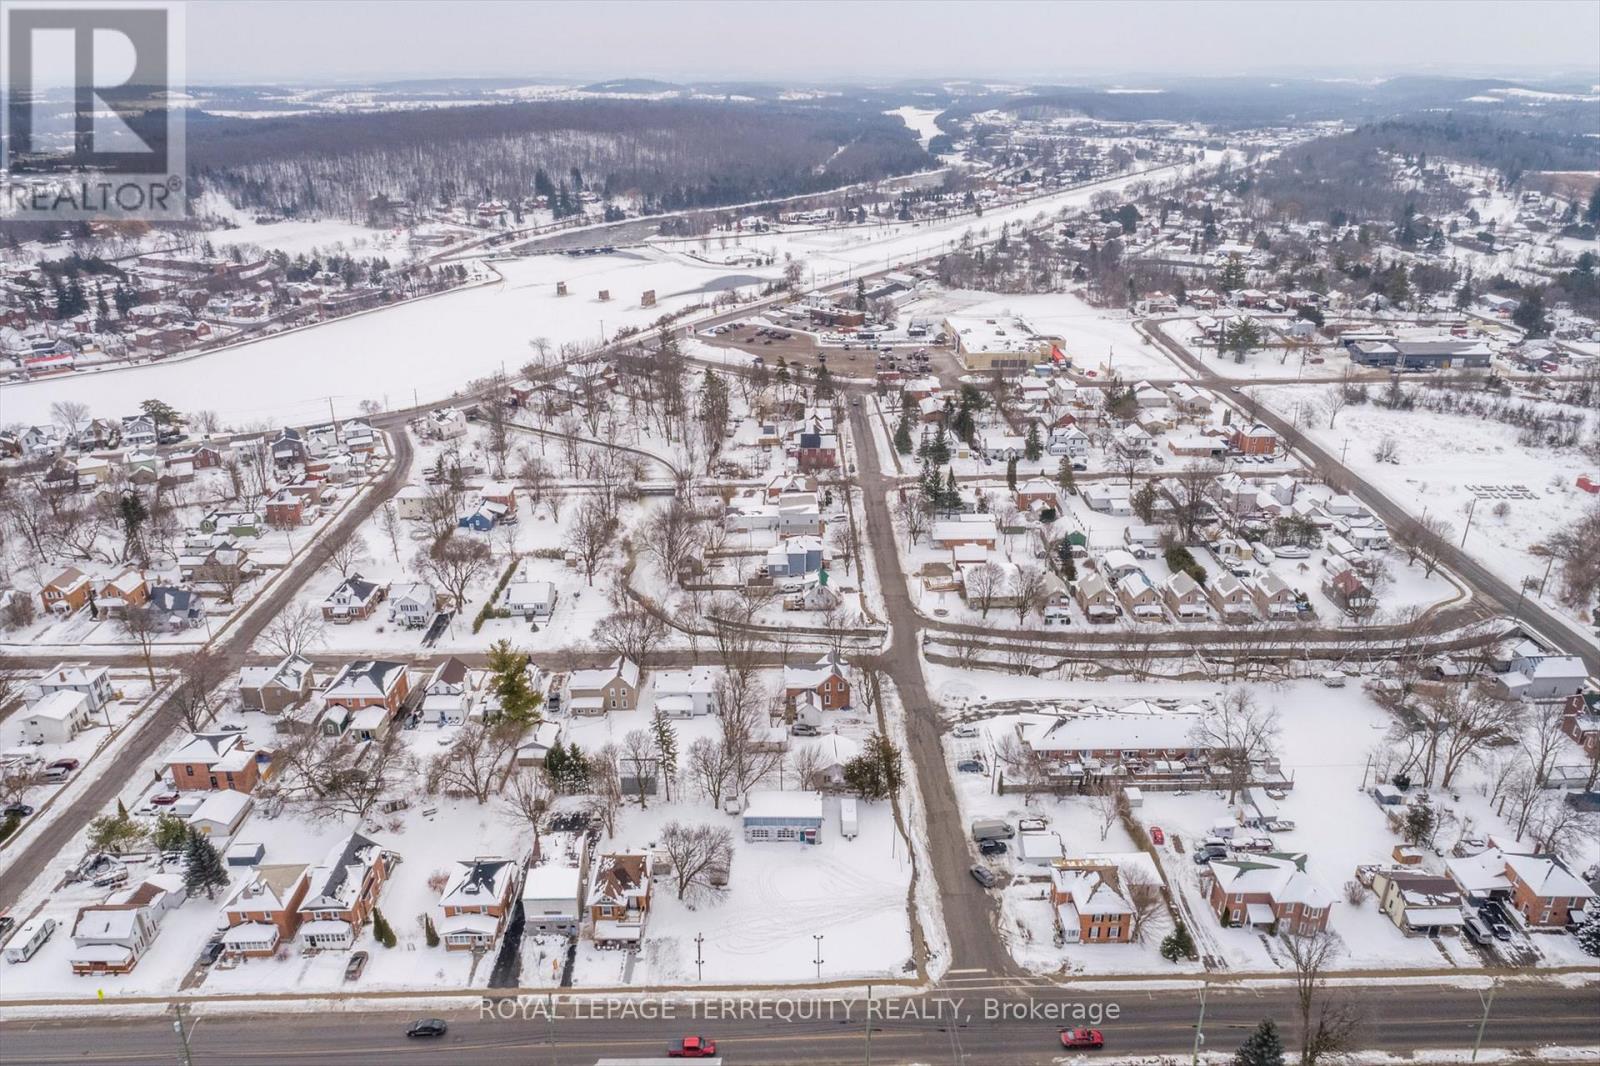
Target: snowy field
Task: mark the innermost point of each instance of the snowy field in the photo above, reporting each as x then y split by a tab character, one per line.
920	121
1439	457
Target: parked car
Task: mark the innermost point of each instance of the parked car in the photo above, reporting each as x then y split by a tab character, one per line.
970	766
1157	836
964	731
992	847
692	1047
1479	932
21	810
805	729
164	799
211	952
353	968
1089	1038
983	875
428	1027
64	764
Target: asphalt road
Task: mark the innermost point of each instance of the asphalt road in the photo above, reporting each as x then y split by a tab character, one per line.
1488	585
110	777
964	1026
971	914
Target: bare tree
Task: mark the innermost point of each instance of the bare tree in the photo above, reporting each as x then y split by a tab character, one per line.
983	583
709	768
476	763
70	415
1334	401
389	522
696	851
1327	1028
1029	589
344	778
631	631
199	673
348	554
441	507
590	537
1105	795
671	535
526	800
296	630
453	563
910	513
1145	900
605	783
144	625
1239	734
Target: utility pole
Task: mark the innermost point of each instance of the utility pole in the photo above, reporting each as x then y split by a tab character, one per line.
1488	1001
187	1058
699	957
1473	506
818	938
1546	577
869	1024
1199	1037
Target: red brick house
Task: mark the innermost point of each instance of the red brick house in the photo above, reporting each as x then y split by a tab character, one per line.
264	910
354	600
342	893
211	761
1581	722
1540	888
1090	909
825	679
475	903
285	510
1270	892
66	593
619	899
1254	440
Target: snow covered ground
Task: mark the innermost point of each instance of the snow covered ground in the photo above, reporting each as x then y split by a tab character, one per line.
920	121
1440	458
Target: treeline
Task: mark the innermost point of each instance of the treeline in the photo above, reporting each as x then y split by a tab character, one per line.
670	155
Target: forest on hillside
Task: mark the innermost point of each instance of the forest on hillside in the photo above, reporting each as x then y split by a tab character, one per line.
667	155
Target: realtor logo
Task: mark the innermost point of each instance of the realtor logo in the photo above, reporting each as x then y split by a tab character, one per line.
90	131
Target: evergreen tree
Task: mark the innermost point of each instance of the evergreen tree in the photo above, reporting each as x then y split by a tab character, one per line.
555	766
939	450
1033	448
508	681
861	294
1592	215
1233	276
203	870
1011	474
1067	477
1065	564
170	833
902	435
381	931
952	494
666	738
1420	822
1177	944
1589	936
1261	1048
429	933
1529	315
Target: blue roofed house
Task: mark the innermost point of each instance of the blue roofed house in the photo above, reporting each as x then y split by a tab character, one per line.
796	557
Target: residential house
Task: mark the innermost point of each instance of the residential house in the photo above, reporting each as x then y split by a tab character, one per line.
57	718
210	761
531	599
550	899
1539	888
274	689
1093	741
176	609
1185	598
94	682
1098	602
1254	440
369	692
413	605
1272	597
111	938
355	599
1089	905
1139	598
115	595
976	529
1036	491
1230	597
475	903
1349	592
619	898
285	510
1580	720
342	892
770	814
67	593
826	679
263	910
1418	903
1270	892
686	693
613	688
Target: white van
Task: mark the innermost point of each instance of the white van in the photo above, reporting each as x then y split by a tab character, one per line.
29	939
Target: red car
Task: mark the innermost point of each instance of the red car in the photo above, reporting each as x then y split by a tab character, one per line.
1157	836
1082	1038
64	764
692	1047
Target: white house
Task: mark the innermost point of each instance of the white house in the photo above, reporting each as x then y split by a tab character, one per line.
531	599
550	899
686	693
221	813
413	605
93	681
57	718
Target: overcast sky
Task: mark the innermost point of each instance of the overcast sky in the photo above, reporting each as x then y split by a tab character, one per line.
292	40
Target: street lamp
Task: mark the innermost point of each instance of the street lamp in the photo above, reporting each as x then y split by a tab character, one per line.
818	938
